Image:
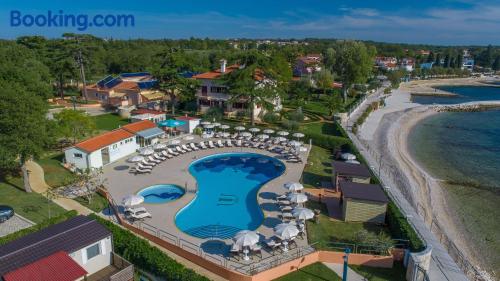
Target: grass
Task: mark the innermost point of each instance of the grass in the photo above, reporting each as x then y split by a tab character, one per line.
318	168
324	128
326	231
397	273
97	204
314	272
32	206
55	174
108	122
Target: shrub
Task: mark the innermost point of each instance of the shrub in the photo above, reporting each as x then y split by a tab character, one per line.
297	115
401	228
271	117
291	125
146	257
327	142
44	224
198	131
381	242
213	113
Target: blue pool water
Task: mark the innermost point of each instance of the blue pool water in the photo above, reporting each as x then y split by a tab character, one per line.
226	201
161	193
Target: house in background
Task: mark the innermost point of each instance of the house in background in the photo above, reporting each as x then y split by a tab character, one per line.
125	90
407	64
191	123
213	94
386	63
77	249
142	114
307	65
362	202
349	172
108	147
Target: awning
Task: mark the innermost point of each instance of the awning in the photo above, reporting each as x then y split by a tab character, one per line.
56	267
150	133
171	123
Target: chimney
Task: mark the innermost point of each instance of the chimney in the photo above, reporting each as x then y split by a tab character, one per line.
223	63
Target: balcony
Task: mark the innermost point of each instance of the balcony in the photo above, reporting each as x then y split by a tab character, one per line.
118	270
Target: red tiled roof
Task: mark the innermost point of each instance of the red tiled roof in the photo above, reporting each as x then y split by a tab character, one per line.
56	267
127	85
216	73
104	140
146	111
139	126
186	118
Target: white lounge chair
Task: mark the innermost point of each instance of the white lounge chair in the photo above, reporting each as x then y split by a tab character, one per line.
139	215
180	150
144	162
202	145
135	210
143	167
184	147
175	153
220	144
211	144
159	157
139	170
234	136
165	154
238	143
229	143
151	159
193	146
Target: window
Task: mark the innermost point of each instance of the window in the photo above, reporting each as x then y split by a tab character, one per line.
93	251
115	146
218	89
78	155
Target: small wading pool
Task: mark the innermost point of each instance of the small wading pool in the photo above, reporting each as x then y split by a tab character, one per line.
161	193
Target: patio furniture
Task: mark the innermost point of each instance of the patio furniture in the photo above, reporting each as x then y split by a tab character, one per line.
238	143
229	143
165	153
180	150
175	153
235	253
272	245
151	159
286	208
220	144
256	250
193	146
134	216
147	164
159	157
143	167
184	147
135	210
139	170
285	216
202	145
211	144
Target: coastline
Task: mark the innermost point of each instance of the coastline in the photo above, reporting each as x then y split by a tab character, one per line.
390	139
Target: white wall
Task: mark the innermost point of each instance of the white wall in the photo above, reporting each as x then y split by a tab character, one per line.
98	262
95	159
80	163
122	149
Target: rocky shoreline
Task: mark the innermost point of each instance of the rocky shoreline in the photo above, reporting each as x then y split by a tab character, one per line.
467	107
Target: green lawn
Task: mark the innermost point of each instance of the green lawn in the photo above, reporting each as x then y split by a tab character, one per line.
108	122
97	204
397	273
324	128
327	231
318	168
32	206
314	272
55	174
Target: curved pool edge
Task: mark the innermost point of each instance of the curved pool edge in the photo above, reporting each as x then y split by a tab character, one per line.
263	213
184	192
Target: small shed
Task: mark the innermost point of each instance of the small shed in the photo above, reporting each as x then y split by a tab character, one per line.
191	123
363	202
351	172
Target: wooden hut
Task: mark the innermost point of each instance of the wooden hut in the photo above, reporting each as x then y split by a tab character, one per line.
363	202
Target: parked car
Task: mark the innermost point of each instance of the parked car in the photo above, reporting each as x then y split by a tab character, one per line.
6	213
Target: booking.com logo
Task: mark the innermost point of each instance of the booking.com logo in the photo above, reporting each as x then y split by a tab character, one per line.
60	19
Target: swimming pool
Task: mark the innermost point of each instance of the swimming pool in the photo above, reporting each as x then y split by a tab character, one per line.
161	193
226	201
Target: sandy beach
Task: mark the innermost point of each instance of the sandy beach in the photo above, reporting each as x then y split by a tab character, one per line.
386	132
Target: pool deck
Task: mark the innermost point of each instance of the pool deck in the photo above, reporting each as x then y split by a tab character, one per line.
175	171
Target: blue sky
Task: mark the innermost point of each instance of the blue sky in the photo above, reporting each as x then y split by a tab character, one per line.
419	21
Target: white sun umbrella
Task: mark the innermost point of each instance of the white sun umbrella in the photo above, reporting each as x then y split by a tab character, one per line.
137	158
303	213
281	139
263	136
254	130
293	186
298	135
146	151
132	200
209	126
160	146
239	128
283	133
268	131
245	134
224	127
224	134
286	231
348	156
297	198
174	142
188	138
216	124
203	123
295	143
246	238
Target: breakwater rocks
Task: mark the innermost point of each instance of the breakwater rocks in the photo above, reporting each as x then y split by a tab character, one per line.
474	107
435	94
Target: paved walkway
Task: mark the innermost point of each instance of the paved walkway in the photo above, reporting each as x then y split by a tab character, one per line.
38	184
339	269
14	224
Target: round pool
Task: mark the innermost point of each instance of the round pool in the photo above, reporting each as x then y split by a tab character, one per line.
161	193
226	201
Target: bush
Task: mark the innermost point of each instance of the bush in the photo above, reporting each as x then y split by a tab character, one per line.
401	228
146	257
328	142
291	125
198	131
213	113
37	227
271	117
297	115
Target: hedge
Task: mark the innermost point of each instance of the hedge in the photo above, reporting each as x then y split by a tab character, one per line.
146	257
44	224
326	141
401	228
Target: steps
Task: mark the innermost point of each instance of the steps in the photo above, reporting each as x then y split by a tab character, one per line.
213	231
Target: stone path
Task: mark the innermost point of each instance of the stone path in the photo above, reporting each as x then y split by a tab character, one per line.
14	224
339	269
